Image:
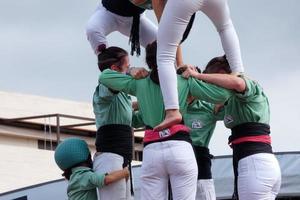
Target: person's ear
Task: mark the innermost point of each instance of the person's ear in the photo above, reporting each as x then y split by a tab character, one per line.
114	67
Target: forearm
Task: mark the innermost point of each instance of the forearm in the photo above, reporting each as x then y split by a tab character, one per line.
116	176
227	81
117	81
179	59
209	92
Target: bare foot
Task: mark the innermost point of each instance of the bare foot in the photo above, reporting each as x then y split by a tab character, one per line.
172	117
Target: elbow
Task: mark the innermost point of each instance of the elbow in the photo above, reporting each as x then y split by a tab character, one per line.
101	79
239	85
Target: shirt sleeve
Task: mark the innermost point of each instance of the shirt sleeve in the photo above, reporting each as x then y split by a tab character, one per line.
96	179
118	81
105	92
208	92
251	88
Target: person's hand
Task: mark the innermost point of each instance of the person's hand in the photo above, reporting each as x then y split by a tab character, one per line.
190	72
126	172
138	72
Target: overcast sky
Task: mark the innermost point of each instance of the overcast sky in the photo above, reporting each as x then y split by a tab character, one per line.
44	51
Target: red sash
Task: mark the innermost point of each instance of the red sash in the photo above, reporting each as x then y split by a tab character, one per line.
256	138
151	136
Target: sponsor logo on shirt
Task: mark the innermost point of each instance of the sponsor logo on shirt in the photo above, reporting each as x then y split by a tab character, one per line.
197	124
228	119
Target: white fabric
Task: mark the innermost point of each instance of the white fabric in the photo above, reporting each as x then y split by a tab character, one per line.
259	177
174	20
104	22
169	160
205	190
108	162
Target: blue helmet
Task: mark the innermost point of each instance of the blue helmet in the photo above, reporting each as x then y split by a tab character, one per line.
70	152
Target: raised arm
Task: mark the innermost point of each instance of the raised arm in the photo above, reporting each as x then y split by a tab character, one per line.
227	81
118	81
208	92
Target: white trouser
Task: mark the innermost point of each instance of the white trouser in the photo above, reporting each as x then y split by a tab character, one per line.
108	162
205	190
259	177
164	161
104	22
174	20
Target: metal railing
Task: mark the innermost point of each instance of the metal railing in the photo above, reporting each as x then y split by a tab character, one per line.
58	127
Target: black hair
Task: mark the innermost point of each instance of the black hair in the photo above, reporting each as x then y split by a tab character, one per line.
180	70
151	50
111	56
216	64
88	163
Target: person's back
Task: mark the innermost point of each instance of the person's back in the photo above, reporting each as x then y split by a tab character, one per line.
107	103
83	183
150	99
247	114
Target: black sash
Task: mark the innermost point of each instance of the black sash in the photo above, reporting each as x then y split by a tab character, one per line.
126	9
203	158
122	7
115	138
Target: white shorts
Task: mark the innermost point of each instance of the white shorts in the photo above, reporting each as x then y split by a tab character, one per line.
104	22
206	190
170	160
259	177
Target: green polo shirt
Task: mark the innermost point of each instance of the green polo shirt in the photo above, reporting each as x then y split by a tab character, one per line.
200	117
111	107
83	184
150	97
250	106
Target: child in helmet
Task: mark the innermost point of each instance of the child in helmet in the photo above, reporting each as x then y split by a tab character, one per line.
74	158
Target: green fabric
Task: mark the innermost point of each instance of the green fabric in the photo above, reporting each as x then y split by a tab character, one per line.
201	119
147	4
137	120
111	108
250	106
71	152
83	183
150	98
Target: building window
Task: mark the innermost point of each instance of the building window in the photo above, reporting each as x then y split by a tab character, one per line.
47	145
